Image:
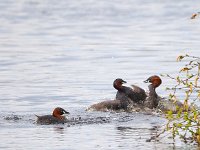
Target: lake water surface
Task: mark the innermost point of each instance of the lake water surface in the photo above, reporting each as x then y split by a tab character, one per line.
67	53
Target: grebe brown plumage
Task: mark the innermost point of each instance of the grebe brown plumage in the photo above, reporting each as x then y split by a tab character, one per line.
55	118
127	97
135	94
152	98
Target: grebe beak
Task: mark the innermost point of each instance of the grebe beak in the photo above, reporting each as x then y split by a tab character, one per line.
124	81
146	81
65	112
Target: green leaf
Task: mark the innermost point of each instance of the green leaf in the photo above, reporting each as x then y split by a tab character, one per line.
170	115
179	125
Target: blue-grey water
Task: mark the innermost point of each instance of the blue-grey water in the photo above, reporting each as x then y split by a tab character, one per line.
67	53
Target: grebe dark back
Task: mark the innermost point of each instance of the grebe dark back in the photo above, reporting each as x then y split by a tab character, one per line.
135	94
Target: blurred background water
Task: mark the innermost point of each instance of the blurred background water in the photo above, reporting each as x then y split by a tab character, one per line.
67	53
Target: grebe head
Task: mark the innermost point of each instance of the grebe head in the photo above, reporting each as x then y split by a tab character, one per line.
117	84
58	111
155	80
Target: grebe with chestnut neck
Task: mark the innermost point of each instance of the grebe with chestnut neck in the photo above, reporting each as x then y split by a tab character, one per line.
135	94
55	118
152	99
130	97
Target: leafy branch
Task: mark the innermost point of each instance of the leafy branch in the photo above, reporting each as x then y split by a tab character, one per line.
186	122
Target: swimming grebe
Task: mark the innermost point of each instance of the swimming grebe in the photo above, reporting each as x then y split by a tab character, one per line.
55	118
125	96
107	105
135	94
152	98
124	101
154	101
130	97
163	104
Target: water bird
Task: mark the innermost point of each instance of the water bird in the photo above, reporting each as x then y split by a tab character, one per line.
124	93
136	99
55	118
152	98
130	97
160	103
107	105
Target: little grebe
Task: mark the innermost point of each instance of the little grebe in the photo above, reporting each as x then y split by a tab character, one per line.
130	97
106	105
135	94
55	118
124	97
152	98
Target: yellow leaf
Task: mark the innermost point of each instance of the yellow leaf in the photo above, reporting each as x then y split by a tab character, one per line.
191	88
195	116
196	80
179	58
187	95
193	16
167	126
184	69
178	79
198	138
185	105
174	99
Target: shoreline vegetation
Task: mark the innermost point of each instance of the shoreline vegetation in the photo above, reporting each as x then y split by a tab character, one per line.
185	124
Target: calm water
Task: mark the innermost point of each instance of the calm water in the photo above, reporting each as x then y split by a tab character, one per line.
67	53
